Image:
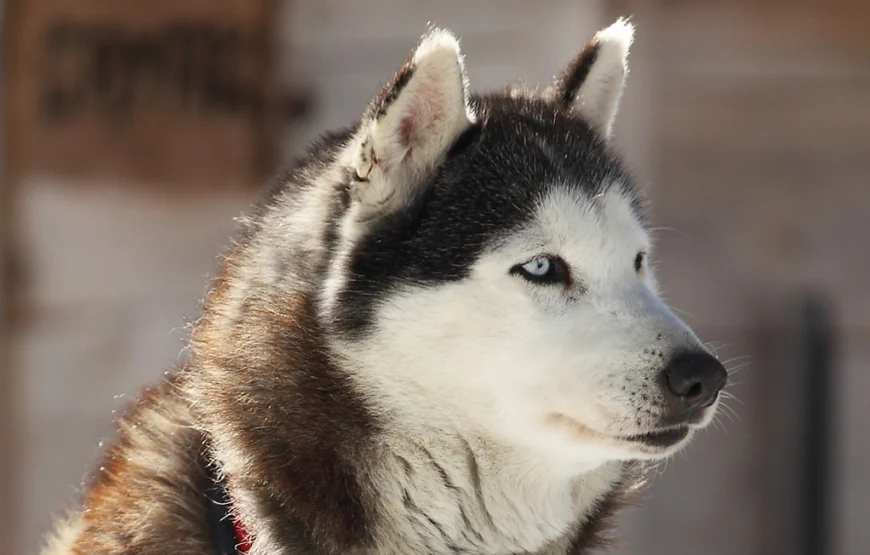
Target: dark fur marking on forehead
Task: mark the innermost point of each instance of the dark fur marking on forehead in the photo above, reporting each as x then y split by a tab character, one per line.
465	140
491	183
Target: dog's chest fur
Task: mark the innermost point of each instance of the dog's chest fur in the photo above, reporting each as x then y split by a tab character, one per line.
435	497
449	494
332	479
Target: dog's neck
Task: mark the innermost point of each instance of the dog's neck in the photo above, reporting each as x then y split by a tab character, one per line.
349	469
445	486
418	486
443	491
435	490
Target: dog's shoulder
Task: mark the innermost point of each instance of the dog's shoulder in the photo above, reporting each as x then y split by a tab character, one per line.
154	468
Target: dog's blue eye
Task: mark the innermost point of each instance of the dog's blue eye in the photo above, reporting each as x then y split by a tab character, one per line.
544	270
538	267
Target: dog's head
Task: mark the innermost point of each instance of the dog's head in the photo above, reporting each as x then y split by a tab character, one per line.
493	267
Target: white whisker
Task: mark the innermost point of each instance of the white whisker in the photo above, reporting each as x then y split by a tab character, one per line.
675	230
682	312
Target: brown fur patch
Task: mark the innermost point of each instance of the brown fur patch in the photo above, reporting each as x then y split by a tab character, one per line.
268	390
595	532
152	469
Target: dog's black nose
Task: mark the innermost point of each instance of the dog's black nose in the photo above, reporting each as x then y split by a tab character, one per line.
694	380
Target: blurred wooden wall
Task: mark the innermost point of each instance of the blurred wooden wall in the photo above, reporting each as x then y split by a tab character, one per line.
760	150
10	518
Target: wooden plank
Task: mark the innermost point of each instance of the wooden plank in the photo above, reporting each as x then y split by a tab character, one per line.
764	115
167	91
764	37
10	440
770	175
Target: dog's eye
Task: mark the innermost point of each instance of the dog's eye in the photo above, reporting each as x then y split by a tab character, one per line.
638	261
544	270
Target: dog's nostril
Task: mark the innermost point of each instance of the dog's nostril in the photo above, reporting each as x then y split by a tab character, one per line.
695	379
695	390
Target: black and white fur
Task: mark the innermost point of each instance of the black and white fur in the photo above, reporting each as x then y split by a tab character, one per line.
438	333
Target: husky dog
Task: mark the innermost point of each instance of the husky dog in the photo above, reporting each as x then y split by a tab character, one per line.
438	333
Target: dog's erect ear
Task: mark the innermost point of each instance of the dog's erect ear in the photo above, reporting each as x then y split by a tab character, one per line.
412	123
592	84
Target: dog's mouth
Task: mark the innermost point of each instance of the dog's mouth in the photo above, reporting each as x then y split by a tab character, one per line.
652	442
660	438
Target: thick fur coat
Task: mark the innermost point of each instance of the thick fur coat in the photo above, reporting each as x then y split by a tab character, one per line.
438	333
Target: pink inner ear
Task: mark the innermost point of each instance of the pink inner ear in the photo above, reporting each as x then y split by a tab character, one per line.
407	127
412	125
424	116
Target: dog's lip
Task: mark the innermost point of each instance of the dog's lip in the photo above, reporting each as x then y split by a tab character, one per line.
667	437
661	438
712	400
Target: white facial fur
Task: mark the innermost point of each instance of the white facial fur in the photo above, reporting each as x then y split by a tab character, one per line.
561	371
564	372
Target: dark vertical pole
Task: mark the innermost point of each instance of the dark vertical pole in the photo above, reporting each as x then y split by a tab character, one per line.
10	173
817	345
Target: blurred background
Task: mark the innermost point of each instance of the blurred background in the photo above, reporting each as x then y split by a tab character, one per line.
134	132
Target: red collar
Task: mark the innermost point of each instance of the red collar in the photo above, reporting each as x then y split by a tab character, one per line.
228	533
243	538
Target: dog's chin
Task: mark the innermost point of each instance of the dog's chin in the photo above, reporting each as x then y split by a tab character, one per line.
665	441
657	443
642	444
